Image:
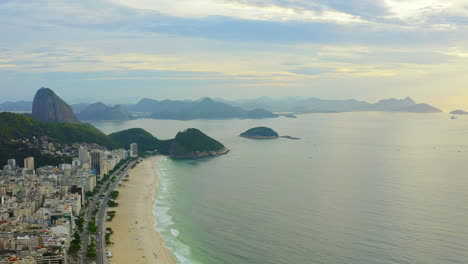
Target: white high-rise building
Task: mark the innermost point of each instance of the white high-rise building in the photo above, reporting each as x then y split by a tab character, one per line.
12	163
123	154
133	150
83	155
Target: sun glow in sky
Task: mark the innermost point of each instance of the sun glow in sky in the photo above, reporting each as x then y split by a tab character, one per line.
120	50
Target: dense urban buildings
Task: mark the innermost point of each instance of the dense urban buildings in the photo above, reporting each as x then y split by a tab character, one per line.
40	207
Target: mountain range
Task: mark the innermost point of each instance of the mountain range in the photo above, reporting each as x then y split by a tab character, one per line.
53	118
205	108
100	111
316	105
19	106
218	108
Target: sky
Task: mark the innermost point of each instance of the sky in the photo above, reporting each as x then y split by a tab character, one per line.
118	51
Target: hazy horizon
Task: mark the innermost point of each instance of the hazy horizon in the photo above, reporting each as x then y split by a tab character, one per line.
113	49
135	100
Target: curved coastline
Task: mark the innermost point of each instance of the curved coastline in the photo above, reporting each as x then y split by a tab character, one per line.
136	240
165	221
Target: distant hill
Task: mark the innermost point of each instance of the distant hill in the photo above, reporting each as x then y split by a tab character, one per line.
392	104
77	108
317	105
205	108
419	108
100	111
459	112
49	107
20	106
191	143
152	106
260	133
145	141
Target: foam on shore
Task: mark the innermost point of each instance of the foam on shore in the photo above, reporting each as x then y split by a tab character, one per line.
164	221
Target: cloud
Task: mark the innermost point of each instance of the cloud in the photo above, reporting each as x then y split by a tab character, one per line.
360	45
438	13
245	10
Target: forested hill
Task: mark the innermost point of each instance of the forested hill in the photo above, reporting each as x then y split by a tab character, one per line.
17	132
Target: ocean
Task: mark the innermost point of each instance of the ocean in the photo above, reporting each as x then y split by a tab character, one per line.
377	188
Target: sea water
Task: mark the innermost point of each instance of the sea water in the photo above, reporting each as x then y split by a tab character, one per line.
357	188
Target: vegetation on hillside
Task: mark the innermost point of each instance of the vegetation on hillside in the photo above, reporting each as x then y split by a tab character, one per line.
192	140
145	141
15	128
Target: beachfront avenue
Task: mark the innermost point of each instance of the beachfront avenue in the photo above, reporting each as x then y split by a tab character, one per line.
95	214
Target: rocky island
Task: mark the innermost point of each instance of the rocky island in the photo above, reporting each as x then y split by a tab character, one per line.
260	133
264	133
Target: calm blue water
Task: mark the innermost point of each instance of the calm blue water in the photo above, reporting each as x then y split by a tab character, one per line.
358	188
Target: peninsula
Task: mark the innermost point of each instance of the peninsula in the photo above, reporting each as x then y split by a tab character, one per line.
192	143
459	112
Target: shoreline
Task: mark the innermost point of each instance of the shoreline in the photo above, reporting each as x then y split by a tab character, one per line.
135	237
203	154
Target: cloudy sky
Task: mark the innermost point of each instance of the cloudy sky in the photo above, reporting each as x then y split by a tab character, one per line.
122	50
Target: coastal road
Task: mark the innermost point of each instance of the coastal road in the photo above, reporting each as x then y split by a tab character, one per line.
92	205
102	215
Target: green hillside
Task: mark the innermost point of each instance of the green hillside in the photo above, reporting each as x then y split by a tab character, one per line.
16	127
145	141
192	140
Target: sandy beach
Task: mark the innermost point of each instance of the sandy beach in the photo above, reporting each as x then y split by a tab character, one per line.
135	238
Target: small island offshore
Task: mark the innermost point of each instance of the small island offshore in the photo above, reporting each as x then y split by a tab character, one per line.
260	133
264	133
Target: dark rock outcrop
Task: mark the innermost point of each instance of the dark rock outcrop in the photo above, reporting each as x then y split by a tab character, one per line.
49	107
